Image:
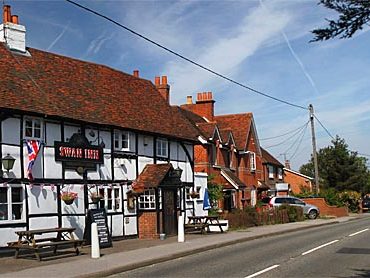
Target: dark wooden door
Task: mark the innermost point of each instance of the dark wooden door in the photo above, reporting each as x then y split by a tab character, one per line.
169	211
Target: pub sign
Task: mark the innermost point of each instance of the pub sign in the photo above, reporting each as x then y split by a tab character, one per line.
69	152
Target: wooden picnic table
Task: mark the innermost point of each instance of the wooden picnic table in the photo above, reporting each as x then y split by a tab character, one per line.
202	223
32	239
213	220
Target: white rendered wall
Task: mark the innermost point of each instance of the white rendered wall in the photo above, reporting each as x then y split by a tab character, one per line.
14	151
42	199
125	168
196	205
144	161
145	145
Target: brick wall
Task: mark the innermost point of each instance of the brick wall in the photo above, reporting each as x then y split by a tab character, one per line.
148	225
296	182
325	209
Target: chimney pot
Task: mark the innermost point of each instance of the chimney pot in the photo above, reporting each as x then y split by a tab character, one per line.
157	80
189	100
164	80
6	14
287	164
14	19
199	96
204	96
136	73
209	95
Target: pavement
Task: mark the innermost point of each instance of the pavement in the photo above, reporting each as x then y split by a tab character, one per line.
133	253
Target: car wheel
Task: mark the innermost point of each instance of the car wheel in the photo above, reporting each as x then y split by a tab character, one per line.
312	214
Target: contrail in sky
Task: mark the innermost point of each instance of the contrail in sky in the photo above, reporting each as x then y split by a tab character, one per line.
308	76
59	36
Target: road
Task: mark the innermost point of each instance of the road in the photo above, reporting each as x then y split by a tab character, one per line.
339	250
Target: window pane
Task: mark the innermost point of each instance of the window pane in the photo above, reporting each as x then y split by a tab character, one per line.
17	211
37	133
125	140
3	195
3	212
28	132
116	140
16	194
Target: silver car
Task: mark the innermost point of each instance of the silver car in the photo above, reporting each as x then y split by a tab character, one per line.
310	211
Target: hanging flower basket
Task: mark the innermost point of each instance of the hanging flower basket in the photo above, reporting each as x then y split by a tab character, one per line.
96	197
194	195
68	197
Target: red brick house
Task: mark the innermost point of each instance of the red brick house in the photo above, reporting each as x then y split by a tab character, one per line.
229	151
296	180
272	172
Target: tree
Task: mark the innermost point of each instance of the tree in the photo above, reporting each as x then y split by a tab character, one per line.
353	15
340	168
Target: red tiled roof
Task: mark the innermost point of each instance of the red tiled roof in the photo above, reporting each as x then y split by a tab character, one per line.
152	175
268	158
240	125
225	134
207	129
54	85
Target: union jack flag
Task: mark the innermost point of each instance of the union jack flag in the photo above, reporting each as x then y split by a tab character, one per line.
33	147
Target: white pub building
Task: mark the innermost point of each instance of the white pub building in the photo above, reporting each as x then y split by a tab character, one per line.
105	138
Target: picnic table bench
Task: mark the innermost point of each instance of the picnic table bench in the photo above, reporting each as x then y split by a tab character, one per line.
28	240
202	223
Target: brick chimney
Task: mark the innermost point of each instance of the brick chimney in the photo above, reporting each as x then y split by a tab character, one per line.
13	34
204	105
135	73
163	87
287	164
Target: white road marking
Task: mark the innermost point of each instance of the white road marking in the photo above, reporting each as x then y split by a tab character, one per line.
262	271
359	232
318	247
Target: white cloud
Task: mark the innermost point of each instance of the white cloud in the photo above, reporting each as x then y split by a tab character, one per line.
226	55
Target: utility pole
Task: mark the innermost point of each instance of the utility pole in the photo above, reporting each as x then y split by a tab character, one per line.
316	166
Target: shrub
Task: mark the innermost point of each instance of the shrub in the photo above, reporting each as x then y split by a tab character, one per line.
294	213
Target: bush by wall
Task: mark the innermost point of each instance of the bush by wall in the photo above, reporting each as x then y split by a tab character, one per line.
258	216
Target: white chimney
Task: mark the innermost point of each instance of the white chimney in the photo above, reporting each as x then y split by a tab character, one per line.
13	34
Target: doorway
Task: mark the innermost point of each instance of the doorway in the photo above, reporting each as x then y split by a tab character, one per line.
169	211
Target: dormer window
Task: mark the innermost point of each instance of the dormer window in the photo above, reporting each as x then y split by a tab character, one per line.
32	128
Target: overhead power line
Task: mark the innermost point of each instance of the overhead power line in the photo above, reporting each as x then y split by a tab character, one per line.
281	135
327	131
299	143
290	137
185	58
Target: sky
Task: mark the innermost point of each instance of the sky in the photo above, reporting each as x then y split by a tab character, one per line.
263	44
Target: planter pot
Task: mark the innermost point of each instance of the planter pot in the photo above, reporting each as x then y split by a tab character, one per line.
225	226
69	202
95	200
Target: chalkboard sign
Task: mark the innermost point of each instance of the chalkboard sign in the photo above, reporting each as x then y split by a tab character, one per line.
98	216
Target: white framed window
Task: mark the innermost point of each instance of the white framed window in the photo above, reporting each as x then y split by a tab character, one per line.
32	128
280	173
162	147
123	140
147	199
270	169
111	200
252	161
11	203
